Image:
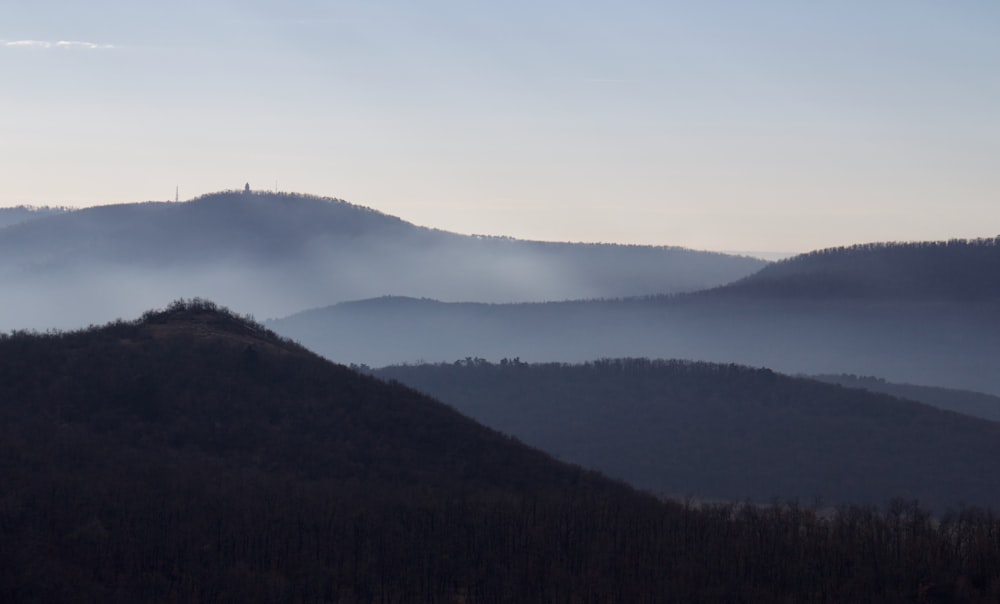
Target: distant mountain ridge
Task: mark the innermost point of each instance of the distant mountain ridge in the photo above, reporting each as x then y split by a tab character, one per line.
916	326
958	269
975	404
276	253
19	214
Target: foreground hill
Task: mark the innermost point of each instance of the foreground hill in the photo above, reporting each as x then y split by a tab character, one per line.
274	254
908	334
192	456
197	382
724	431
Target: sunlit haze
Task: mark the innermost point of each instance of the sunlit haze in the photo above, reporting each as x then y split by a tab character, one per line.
774	126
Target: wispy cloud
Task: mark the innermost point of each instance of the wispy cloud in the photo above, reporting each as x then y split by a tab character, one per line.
69	44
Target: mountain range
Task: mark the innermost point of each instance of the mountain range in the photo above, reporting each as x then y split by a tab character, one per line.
922	313
272	254
893	310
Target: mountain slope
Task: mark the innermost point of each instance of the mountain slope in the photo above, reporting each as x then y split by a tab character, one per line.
192	456
274	254
197	379
911	330
966	402
724	431
959	270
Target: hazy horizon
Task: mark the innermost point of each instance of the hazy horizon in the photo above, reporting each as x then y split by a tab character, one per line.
769	255
775	126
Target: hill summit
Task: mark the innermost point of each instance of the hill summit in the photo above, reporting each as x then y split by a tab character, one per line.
200	380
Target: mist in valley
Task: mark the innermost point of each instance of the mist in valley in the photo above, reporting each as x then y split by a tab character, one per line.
385	291
273	255
542	370
932	344
717	423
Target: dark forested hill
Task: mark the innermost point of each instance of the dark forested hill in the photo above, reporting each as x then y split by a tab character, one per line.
725	431
196	382
926	314
192	456
273	254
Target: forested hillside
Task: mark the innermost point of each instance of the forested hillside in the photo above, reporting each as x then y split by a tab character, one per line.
967	402
725	431
194	381
959	270
191	456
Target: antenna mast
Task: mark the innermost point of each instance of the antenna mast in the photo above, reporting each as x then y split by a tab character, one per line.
177	194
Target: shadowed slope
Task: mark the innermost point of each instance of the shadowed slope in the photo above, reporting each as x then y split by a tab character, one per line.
724	431
197	381
194	457
967	402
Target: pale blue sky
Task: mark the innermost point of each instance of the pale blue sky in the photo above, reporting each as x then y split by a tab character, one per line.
716	124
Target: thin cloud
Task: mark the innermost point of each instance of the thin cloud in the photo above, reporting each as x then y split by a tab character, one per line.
76	44
69	44
27	43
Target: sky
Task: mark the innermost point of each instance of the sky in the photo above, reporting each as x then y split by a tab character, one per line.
765	126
